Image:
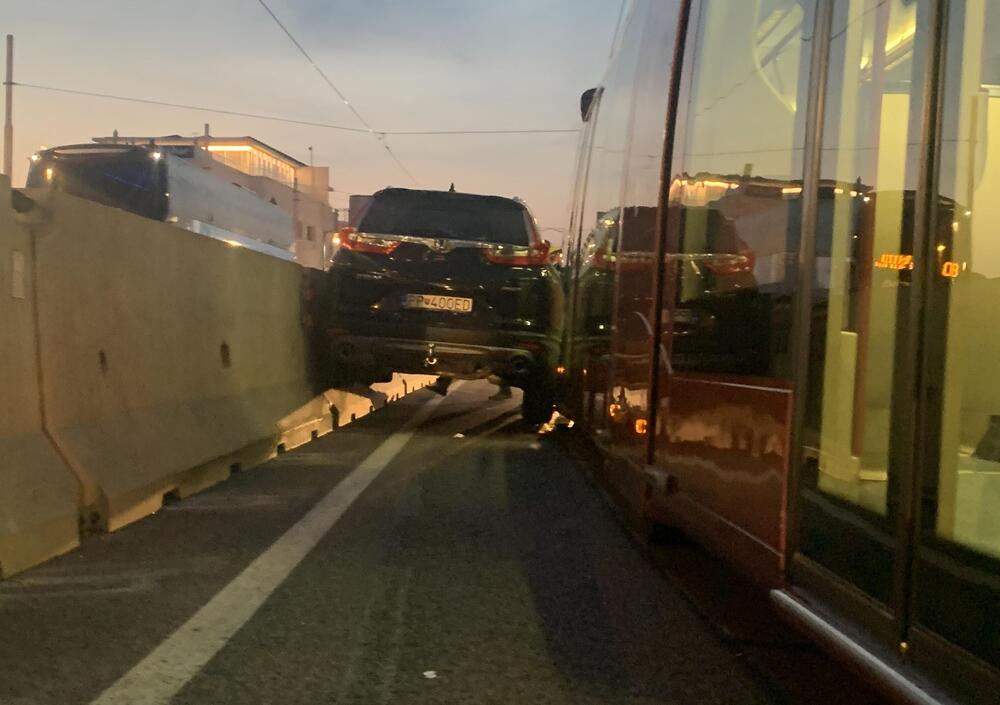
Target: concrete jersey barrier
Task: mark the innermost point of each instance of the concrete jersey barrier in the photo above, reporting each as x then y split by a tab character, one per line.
142	360
168	357
38	495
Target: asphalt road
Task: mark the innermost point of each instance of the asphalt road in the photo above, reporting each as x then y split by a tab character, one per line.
437	551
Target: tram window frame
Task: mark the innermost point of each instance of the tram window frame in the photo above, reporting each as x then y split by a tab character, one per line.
857	541
589	330
634	302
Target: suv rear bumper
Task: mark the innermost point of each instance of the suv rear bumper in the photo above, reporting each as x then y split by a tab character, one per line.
515	361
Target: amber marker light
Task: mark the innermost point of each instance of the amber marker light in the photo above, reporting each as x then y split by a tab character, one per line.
894	261
950	269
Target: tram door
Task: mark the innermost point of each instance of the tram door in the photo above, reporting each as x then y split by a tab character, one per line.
850	487
899	505
956	587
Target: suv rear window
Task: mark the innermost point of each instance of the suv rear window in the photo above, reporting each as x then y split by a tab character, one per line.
448	215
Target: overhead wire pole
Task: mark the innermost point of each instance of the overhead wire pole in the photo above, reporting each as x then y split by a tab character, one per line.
380	136
8	125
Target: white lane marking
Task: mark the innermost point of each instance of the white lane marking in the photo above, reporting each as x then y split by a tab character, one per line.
390	667
159	676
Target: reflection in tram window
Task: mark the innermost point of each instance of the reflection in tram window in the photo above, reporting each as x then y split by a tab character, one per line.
735	197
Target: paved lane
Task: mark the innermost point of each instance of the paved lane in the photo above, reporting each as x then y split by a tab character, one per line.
476	568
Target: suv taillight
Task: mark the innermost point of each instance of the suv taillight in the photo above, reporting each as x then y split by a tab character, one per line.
536	255
352	240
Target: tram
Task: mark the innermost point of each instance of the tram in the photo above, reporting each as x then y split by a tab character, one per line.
782	322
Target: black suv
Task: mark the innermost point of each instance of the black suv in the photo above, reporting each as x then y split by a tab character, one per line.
452	284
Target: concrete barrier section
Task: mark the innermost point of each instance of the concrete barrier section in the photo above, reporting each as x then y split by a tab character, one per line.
141	360
168	357
353	404
38	495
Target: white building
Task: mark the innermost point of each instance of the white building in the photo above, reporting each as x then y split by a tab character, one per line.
297	188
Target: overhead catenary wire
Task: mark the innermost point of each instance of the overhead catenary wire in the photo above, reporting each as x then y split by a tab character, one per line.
184	106
337	91
405	133
285	119
316	66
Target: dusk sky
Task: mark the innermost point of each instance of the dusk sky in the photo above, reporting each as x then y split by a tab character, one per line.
405	65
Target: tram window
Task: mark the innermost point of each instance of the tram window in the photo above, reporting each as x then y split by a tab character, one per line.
967	485
736	192
957	576
871	146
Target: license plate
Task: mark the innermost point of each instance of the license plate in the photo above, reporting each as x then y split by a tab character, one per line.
434	302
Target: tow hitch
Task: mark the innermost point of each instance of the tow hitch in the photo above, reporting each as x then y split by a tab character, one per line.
430	360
